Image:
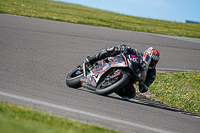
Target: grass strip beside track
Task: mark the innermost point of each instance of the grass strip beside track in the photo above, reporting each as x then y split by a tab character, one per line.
20	119
179	89
48	9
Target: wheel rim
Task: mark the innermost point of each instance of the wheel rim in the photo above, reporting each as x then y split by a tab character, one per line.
108	82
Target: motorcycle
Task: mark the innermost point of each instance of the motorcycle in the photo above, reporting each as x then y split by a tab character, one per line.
106	76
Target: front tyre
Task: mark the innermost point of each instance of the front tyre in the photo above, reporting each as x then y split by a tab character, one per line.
73	78
109	86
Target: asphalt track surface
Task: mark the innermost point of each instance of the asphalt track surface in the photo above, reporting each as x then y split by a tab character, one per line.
37	54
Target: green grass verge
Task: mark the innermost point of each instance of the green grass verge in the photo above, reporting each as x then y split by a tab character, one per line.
180	89
20	119
49	9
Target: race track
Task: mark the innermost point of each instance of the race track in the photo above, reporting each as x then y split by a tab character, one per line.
37	54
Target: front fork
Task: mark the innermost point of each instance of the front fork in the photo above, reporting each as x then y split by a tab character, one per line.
84	68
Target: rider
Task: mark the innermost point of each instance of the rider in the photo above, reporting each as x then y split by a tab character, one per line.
147	63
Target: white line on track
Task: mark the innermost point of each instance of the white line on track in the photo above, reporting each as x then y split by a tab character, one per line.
82	112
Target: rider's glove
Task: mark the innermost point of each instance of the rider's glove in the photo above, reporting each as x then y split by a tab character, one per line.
142	87
87	59
90	60
123	48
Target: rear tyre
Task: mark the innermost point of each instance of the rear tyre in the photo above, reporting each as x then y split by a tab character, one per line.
73	78
107	87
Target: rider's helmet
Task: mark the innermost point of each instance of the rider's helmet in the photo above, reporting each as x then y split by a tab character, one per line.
151	56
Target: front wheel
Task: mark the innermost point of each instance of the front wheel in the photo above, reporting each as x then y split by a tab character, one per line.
107	87
73	78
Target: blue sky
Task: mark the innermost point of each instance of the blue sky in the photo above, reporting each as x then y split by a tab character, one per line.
171	10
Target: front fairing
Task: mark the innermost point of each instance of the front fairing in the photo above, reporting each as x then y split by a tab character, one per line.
105	65
133	62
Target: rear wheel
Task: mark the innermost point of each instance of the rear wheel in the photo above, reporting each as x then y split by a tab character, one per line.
73	78
110	85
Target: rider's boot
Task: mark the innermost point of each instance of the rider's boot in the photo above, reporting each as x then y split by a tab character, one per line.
109	52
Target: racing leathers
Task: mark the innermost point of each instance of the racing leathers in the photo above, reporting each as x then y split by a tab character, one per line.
146	73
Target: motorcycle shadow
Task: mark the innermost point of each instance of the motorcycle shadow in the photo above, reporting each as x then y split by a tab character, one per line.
140	100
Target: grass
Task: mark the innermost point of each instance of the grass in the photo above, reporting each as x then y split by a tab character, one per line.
53	10
180	89
20	119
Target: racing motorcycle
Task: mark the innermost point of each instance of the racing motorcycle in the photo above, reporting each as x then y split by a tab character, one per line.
106	76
